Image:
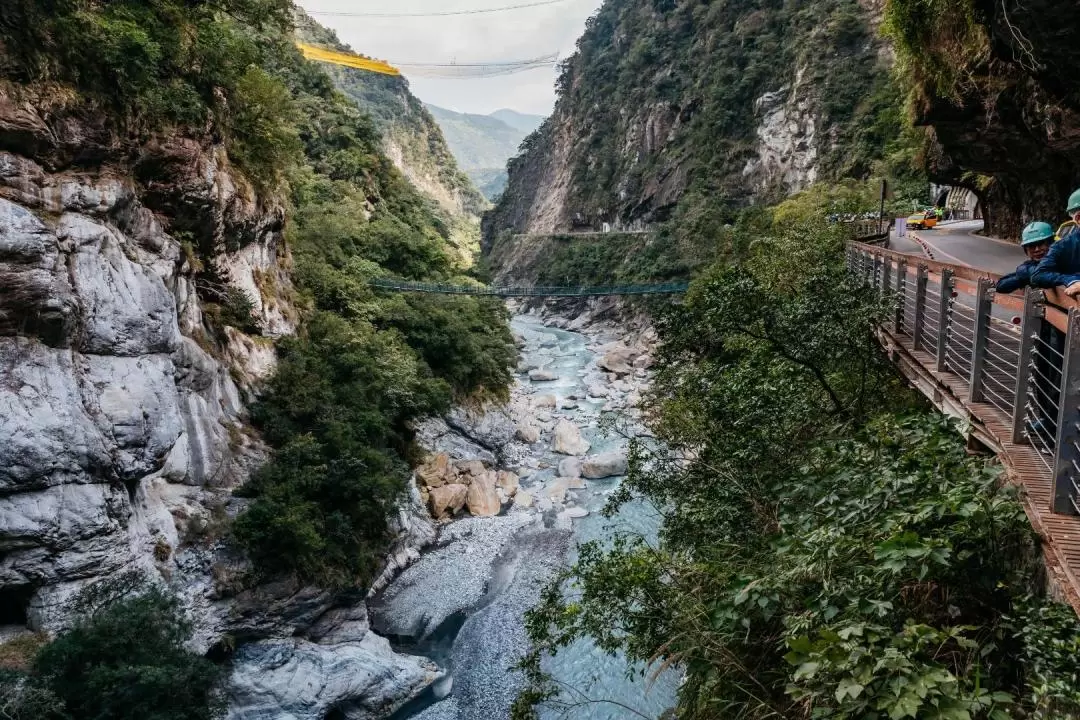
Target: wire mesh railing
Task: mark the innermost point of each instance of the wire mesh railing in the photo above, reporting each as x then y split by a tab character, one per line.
1019	371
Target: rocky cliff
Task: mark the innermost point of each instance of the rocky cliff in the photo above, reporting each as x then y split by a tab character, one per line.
704	102
996	84
146	275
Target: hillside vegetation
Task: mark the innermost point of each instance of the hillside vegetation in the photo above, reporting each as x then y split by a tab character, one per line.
360	367
828	547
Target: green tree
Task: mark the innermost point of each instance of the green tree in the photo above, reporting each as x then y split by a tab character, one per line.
127	661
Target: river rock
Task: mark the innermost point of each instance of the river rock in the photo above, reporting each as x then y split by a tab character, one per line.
447	500
544	401
567	439
575	512
608	464
482	498
523	499
643	362
542	376
528	434
618	360
507	482
596	390
568	405
301	680
570	467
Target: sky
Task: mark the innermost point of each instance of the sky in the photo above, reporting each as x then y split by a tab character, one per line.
495	37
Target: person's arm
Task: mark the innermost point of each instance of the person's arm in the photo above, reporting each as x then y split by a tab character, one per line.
1053	270
1010	283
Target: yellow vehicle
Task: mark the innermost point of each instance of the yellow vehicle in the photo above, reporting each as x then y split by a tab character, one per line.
922	221
1065	228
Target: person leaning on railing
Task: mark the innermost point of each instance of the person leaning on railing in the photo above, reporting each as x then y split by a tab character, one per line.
1036	242
1061	266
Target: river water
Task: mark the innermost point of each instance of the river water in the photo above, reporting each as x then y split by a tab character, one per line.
463	603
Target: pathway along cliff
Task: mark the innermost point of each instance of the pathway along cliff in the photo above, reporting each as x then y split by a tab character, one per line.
462	603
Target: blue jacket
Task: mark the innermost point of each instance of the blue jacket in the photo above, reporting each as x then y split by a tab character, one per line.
1061	266
1017	280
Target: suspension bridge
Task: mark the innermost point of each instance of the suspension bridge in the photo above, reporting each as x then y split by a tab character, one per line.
1008	367
521	291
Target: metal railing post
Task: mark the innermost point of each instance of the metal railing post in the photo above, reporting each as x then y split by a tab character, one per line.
886	266
1029	330
978	343
943	318
901	295
920	306
1067	449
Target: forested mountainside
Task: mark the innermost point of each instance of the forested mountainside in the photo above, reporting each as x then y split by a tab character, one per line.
997	85
188	213
687	110
410	136
483	143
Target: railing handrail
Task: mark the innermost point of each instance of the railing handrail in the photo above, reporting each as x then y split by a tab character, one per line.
1023	368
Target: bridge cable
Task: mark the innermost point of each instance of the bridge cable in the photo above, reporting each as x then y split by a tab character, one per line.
445	13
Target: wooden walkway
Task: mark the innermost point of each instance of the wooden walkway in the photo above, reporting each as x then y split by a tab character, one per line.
1060	534
989	423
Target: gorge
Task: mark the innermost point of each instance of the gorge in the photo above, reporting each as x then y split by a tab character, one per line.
238	481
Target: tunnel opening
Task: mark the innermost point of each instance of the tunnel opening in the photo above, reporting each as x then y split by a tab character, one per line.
15	604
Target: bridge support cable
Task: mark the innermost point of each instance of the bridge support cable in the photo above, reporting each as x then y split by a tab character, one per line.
392	285
1011	368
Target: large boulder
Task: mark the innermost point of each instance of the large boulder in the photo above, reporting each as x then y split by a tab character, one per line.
447	500
608	464
298	679
542	375
507	482
544	401
528	434
482	498
570	467
619	360
567	439
436	472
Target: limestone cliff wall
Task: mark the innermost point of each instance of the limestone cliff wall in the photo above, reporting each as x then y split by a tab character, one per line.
729	104
121	404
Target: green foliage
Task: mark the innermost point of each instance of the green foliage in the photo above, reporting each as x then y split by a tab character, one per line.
938	42
829	550
363	366
124	660
159	63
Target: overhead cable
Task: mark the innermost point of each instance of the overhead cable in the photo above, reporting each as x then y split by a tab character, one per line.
443	13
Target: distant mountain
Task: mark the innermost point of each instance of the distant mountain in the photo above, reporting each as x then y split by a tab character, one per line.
521	121
482	144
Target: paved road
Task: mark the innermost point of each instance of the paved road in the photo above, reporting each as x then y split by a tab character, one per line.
956	243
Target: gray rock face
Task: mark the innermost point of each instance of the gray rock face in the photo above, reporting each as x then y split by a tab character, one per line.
114	423
301	680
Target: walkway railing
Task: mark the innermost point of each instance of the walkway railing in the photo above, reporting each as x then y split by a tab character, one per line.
506	291
1009	365
1019	357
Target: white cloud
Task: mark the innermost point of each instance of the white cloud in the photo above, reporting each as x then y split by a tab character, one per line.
494	37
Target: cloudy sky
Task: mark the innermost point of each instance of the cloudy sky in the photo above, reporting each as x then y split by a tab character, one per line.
495	37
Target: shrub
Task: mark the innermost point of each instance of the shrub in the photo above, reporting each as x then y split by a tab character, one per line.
126	659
